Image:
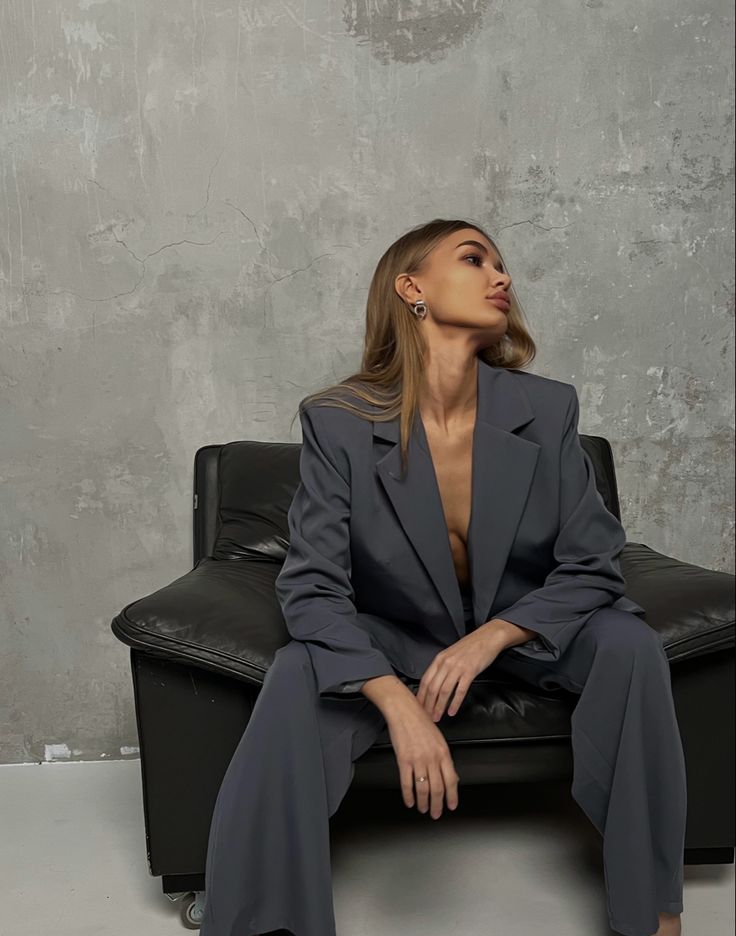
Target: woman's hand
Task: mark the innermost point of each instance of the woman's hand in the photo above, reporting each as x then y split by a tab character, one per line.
422	751
454	669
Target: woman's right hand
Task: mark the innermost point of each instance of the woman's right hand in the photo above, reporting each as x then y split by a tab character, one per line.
422	751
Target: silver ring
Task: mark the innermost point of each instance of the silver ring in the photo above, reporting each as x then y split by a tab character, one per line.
421	779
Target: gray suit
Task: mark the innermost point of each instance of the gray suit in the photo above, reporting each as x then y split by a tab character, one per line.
368	589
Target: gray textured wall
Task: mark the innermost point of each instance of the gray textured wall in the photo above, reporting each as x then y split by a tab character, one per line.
194	196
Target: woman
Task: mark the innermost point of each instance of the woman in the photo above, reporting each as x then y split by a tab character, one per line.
446	521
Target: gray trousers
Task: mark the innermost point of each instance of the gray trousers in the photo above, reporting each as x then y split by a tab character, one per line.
268	856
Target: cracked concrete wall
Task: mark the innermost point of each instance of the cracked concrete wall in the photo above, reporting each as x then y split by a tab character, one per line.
194	196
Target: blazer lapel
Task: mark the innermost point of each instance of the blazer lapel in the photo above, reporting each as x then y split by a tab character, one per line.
502	469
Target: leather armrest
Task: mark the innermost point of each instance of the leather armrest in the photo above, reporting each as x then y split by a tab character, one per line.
692	608
223	615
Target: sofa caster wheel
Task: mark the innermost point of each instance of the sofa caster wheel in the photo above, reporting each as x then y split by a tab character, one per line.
192	909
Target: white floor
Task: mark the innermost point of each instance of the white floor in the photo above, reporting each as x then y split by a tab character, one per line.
512	861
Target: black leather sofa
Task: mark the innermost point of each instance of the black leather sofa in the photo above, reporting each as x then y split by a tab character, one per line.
201	646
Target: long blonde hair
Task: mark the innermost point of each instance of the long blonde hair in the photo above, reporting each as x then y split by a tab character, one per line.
393	347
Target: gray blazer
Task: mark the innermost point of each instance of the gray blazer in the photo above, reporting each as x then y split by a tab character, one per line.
368	583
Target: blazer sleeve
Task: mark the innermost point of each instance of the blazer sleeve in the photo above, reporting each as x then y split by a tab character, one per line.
313	586
587	575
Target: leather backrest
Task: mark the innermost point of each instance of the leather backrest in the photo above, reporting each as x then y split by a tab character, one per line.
243	491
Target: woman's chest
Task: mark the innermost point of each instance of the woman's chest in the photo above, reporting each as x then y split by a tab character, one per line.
410	534
453	465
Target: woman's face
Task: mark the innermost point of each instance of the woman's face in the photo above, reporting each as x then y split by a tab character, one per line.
456	284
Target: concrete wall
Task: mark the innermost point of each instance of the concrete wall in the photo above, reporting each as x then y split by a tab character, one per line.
194	196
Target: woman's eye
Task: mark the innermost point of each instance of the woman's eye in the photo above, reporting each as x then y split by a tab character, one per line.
478	257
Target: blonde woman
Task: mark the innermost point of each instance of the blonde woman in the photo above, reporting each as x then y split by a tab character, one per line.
446	521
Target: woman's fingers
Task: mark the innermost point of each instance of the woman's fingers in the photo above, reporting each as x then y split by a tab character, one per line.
461	691
422	788
446	690
440	783
432	696
430	684
436	791
406	775
450	778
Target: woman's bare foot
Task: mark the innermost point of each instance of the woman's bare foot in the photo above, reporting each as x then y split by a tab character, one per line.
669	925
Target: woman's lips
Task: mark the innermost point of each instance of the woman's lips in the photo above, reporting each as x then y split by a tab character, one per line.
501	303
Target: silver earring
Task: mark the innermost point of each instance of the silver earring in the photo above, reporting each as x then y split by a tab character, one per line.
419	309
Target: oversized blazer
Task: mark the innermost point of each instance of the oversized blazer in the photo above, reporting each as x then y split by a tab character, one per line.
369	584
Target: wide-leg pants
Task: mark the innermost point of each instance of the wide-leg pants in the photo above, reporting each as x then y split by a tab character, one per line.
268	856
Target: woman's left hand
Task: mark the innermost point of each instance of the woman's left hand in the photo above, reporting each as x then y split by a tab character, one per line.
454	669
